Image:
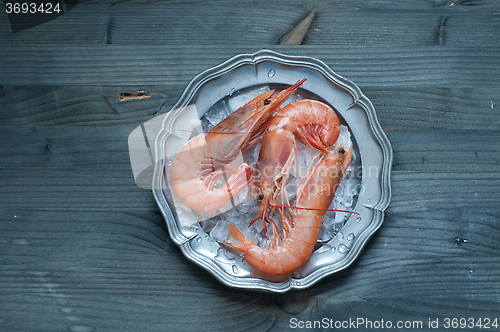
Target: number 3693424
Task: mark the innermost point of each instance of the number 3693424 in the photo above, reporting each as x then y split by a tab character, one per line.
32	8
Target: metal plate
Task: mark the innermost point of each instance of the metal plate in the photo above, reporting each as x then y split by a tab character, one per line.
229	86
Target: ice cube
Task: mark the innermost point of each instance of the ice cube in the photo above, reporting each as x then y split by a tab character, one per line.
249	232
348	202
247	206
291	187
343	196
325	233
232	216
208	224
257	226
264	243
220	231
349	172
339	218
218	112
344	137
349	186
306	156
327	221
293	98
236	101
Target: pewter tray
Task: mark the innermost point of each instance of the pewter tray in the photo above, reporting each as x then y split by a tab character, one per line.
222	89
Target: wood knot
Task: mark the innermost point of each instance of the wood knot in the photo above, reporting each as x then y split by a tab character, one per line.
440	31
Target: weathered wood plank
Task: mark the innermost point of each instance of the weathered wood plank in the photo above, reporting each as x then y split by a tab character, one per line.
115	65
99	270
85	262
439	108
340	3
395	24
95	160
440	26
83	249
82	105
397	107
431	177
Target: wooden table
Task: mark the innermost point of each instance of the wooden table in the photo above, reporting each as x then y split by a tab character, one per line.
82	248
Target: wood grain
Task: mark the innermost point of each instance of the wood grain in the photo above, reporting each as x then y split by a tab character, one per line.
392	23
403	107
79	253
161	65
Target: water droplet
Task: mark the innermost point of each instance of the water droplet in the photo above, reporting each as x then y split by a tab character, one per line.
348	203
357	189
323	248
350	237
343	249
169	162
222	256
271	73
333	249
198	240
296	275
358	219
231	92
340	236
235	269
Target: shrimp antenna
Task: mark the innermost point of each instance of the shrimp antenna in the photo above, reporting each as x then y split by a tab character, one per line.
206	132
311	209
284	92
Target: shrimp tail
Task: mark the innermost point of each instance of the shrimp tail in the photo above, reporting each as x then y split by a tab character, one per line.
300	229
236	234
243	245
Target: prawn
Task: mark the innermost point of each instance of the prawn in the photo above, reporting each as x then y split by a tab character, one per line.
300	233
202	163
311	122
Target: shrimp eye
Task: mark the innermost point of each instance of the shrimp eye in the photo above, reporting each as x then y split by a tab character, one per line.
341	151
267	101
260	198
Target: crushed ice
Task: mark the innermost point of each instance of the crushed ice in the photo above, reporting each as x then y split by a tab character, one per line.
218	112
236	101
242	214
